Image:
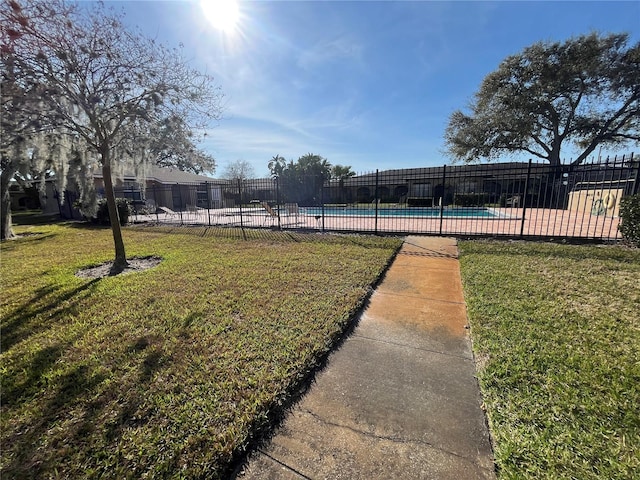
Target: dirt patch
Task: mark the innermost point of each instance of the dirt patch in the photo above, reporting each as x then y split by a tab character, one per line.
104	270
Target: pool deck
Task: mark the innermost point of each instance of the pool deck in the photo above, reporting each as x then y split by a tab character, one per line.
538	222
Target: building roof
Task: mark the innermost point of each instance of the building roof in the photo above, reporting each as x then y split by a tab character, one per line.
167	176
410	174
173	175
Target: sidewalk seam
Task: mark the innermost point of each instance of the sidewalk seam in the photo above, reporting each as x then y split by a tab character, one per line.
427	299
392	439
431	268
462	357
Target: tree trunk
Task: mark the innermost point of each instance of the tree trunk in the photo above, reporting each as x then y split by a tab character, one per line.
120	262
554	154
6	232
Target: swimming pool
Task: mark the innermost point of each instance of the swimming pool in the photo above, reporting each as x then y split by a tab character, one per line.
413	212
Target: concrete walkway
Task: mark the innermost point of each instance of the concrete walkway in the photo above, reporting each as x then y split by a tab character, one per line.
399	399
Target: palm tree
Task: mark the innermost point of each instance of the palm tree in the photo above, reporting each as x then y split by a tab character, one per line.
276	165
342	172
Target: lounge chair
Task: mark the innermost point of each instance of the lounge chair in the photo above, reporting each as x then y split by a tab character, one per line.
293	210
170	213
513	201
271	213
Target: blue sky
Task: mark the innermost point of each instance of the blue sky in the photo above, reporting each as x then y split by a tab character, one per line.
366	84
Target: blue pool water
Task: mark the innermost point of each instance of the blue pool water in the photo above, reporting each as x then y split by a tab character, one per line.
414	212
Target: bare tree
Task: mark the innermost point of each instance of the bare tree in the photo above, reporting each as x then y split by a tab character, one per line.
111	88
238	170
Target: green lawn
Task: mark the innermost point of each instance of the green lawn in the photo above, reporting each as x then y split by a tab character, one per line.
556	332
170	372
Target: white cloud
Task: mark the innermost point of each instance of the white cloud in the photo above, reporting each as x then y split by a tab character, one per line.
328	51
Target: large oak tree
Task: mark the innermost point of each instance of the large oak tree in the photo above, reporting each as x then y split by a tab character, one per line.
583	92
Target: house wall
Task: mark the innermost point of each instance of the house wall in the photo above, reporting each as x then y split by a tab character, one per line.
160	196
23	200
215	196
179	196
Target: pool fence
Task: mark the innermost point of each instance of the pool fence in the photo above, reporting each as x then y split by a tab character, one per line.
515	200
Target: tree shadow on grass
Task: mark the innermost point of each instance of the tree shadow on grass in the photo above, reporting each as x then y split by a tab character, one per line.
27	319
24	238
30	383
69	426
35	217
27	458
87	226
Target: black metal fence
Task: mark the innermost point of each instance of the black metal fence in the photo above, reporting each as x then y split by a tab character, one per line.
502	199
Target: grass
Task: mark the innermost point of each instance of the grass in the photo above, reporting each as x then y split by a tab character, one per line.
556	334
175	371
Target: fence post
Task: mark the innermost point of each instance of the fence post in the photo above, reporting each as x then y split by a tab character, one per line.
524	198
70	205
278	200
56	197
322	205
240	195
206	184
375	199
155	201
444	181
636	187
180	194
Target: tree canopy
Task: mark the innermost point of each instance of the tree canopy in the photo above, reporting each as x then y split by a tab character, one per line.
582	92
342	172
301	181
25	119
114	98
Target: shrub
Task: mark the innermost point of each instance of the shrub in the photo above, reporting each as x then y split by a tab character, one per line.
102	215
630	218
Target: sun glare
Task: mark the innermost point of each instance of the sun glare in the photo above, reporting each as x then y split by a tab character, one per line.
222	14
